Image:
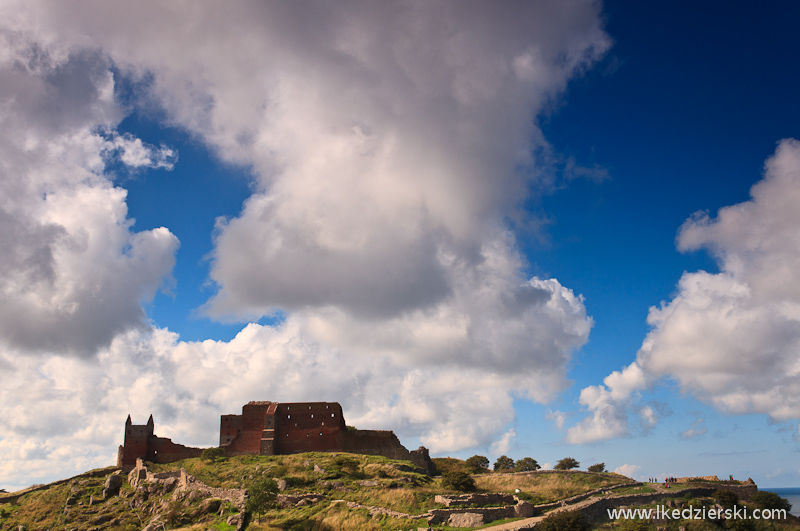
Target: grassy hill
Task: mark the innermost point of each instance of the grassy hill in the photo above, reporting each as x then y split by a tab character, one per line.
348	486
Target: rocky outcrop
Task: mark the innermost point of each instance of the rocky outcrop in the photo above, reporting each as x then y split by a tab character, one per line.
299	500
146	482
112	485
466	520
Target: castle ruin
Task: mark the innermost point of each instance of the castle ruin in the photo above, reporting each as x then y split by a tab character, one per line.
273	428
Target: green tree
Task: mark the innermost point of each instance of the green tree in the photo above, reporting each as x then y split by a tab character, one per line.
564	521
526	464
477	464
503	463
262	496
568	463
770	500
599	468
458	480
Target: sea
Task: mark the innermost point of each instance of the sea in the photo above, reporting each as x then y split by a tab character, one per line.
790	493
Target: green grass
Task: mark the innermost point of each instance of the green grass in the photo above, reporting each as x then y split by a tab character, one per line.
633	490
546	488
337	477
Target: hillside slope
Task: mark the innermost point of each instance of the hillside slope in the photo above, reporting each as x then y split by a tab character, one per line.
320	491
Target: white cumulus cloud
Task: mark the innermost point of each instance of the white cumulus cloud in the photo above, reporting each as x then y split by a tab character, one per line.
732	338
387	144
73	273
627	470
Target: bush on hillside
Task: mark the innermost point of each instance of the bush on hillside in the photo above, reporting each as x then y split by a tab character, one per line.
726	498
634	525
770	500
262	496
446	464
564	521
212	454
458	480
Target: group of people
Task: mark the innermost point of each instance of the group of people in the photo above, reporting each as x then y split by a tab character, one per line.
667	480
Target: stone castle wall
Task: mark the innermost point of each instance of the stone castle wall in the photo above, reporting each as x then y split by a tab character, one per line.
308	427
272	428
695	479
141	442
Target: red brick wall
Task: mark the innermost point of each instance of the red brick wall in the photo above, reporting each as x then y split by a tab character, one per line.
373	442
295	427
161	450
243	432
308	427
135	444
140	442
229	427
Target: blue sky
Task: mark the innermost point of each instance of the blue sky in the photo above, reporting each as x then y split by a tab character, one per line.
454	219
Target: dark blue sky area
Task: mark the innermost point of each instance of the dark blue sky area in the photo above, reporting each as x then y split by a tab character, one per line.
186	200
682	113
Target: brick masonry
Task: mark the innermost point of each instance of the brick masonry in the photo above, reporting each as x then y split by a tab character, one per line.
273	428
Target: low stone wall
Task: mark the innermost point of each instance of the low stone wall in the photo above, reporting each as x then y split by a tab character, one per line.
695	479
580	497
235	496
521	509
474	499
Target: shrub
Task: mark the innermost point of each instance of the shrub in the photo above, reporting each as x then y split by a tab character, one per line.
446	464
526	464
568	463
564	521
261	496
741	524
634	525
503	463
458	480
726	498
477	464
770	500
599	467
212	454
